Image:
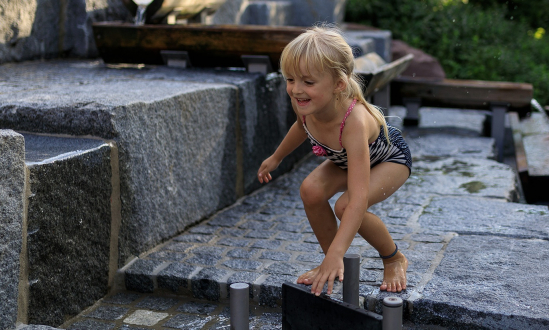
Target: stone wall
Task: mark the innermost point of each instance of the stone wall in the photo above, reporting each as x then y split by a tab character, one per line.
42	29
12	188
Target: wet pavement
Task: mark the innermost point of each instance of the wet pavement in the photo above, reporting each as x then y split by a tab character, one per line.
470	245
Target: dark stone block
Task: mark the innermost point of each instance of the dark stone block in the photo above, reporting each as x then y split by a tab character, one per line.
303	247
270	293
275	255
175	276
303	310
91	325
286	268
193	238
194	307
157	303
12	189
69	225
490	291
257	225
204	259
187	322
243	277
239	242
209	250
286	236
223	220
243	264
265	244
122	298
205	284
167	256
264	234
139	277
241	253
108	313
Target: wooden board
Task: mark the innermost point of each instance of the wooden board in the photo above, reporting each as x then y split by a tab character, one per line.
374	81
208	45
464	93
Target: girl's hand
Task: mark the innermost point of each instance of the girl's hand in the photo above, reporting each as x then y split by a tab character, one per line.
264	174
331	267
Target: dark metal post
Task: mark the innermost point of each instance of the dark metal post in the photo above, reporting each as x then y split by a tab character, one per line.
240	306
392	313
351	263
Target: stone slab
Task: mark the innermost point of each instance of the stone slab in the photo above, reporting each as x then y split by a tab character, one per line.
46	29
69	225
463	176
382	40
483	281
441	145
458	118
480	216
536	148
182	134
12	196
537	123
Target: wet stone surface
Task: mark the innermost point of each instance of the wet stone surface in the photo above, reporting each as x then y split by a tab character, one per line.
453	211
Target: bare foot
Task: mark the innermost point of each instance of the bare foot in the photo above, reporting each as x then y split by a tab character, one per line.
308	277
394	273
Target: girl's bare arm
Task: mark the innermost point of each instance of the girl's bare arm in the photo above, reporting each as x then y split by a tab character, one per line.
293	139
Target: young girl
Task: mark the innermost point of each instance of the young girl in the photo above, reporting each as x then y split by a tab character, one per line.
367	159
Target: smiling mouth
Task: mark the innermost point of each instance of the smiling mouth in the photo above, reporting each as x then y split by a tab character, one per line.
302	101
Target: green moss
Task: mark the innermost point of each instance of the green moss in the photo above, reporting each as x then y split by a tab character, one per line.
473	186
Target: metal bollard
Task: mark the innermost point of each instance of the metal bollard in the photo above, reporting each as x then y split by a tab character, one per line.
392	313
240	306
351	262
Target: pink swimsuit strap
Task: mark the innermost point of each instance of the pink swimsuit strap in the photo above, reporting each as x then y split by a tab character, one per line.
345	118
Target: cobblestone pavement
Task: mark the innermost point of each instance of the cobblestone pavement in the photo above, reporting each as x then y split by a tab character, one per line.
456	209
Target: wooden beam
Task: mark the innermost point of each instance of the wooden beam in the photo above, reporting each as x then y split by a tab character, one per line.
466	93
207	45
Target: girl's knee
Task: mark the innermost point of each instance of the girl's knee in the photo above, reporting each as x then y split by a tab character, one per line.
311	193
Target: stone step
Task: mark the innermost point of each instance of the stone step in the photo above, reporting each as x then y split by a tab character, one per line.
265	240
532	141
66	247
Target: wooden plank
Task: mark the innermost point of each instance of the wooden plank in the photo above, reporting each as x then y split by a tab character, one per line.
383	75
467	93
208	45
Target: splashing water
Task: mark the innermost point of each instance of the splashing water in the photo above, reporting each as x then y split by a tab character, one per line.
141	8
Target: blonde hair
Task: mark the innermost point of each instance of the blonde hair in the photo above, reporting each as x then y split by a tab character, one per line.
324	48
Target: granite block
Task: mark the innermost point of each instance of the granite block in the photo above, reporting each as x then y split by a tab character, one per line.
29	32
243	264
69	225
194	307
175	277
205	284
489	292
108	313
157	303
139	276
167	123
12	195
186	321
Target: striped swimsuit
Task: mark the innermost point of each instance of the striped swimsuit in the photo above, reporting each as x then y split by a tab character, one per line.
380	151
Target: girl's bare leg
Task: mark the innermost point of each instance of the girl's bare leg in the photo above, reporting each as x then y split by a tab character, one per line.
385	179
323	182
316	190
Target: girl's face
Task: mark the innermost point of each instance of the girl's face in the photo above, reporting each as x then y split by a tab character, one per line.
312	91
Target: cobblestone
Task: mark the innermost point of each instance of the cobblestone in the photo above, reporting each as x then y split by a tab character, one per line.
265	240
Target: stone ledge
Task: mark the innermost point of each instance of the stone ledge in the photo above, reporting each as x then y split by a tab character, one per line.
168	125
69	225
12	213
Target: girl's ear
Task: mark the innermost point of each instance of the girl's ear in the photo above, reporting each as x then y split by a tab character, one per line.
340	86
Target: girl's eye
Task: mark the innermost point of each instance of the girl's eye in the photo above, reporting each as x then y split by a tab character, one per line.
289	80
310	83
